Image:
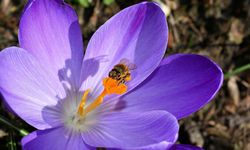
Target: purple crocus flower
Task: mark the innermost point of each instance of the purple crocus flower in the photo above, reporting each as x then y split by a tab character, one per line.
70	98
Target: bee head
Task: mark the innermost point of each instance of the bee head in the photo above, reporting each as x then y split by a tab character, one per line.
114	74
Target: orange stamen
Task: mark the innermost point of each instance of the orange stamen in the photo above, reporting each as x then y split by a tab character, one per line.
111	86
83	102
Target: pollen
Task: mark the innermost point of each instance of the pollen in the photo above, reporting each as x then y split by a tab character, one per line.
111	86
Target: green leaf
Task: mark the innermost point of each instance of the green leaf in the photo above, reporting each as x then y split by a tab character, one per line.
84	3
23	132
108	2
237	71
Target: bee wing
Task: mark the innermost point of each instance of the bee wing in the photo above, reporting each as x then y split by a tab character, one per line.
132	66
124	61
127	62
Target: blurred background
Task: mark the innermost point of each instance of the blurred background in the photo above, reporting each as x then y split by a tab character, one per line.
218	29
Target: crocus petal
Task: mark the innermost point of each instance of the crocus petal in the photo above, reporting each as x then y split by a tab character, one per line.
181	85
27	87
49	30
184	147
138	33
159	146
54	139
127	130
164	146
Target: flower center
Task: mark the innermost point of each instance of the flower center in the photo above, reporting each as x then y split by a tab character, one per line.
111	86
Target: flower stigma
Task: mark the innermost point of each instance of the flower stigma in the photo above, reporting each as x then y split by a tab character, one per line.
111	86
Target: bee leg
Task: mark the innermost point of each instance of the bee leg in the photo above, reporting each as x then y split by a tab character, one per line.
121	81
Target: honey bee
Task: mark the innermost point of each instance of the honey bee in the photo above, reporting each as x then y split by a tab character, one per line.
121	71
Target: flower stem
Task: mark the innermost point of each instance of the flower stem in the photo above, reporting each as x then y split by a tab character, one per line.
237	71
22	132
